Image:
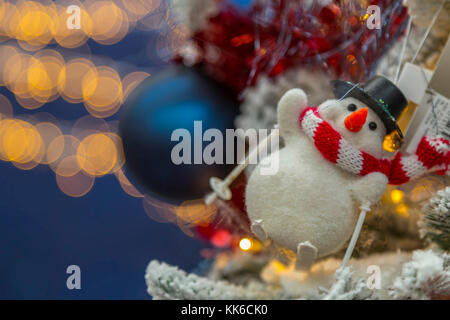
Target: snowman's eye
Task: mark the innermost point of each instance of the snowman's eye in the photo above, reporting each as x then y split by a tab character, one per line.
372	126
351	107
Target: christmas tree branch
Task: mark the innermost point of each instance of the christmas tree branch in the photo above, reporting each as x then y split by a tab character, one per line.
166	282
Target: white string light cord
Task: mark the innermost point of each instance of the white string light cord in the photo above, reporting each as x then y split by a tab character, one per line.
351	246
402	54
425	36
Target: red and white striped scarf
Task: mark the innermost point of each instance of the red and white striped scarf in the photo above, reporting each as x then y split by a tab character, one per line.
430	153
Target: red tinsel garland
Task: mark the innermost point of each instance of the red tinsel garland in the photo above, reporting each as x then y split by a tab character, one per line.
276	35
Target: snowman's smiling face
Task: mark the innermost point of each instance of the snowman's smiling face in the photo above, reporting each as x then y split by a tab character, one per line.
357	123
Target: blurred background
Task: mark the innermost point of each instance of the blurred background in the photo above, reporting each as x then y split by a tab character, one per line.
64	196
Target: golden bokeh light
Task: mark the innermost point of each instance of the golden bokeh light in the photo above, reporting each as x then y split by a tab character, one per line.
9	19
44	75
19	141
186	228
26	165
137	9
34	148
49	132
33	79
68	166
120	156
397	196
32	23
159	211
77	185
13	144
245	244
127	186
20	83
38	79
277	266
37	75
15	72
71	38
61	147
97	154
28	102
102	92
6	52
4	127
156	18
2	16
6	109
195	212
88	125
35	24
70	81
402	210
109	22
132	80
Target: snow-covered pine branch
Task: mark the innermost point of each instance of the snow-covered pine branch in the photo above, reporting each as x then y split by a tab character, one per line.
426	276
435	223
165	282
345	288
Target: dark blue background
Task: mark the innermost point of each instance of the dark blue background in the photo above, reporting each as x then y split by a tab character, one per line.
106	232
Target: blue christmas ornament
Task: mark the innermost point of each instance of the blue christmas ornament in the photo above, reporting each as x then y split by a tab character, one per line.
160	115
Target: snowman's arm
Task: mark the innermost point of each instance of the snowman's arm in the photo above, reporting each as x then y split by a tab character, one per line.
430	153
369	188
290	107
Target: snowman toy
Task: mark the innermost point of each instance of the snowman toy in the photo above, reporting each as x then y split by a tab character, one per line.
332	164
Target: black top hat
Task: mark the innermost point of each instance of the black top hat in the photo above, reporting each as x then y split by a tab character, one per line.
380	94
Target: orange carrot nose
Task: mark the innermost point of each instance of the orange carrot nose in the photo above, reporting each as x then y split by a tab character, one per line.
355	121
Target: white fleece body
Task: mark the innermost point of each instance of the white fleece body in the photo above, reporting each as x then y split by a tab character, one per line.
307	200
310	198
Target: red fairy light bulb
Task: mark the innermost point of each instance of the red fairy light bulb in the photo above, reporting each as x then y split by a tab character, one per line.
221	238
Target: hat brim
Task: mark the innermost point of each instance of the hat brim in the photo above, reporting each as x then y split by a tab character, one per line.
348	89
